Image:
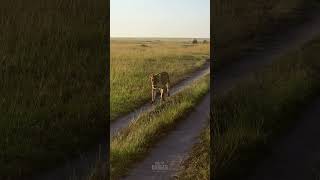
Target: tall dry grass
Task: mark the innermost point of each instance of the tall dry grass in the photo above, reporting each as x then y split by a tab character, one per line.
132	61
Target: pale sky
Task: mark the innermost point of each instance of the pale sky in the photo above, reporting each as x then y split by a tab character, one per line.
160	18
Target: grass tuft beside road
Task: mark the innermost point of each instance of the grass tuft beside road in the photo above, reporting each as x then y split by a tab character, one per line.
197	166
132	143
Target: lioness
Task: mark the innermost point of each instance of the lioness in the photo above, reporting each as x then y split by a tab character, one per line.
159	82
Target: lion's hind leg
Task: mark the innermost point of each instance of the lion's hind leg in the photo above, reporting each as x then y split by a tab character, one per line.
154	93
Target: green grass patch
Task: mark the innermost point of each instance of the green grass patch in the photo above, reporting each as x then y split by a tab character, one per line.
133	60
134	141
53	82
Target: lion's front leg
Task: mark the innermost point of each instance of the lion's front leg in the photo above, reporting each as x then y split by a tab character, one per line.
153	93
168	91
161	94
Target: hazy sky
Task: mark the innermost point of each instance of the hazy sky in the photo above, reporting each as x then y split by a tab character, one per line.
160	18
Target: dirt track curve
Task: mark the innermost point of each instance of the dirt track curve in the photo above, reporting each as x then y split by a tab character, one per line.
174	148
124	121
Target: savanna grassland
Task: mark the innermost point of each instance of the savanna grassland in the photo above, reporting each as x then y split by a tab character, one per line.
134	141
53	64
247	21
255	113
133	60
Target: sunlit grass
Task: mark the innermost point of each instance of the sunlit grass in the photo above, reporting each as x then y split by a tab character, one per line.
132	61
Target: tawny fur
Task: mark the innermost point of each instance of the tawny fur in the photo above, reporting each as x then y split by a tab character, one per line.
160	82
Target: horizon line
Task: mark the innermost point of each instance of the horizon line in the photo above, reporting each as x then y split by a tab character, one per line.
159	37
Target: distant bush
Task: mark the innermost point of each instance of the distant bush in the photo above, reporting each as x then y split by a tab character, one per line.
194	41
